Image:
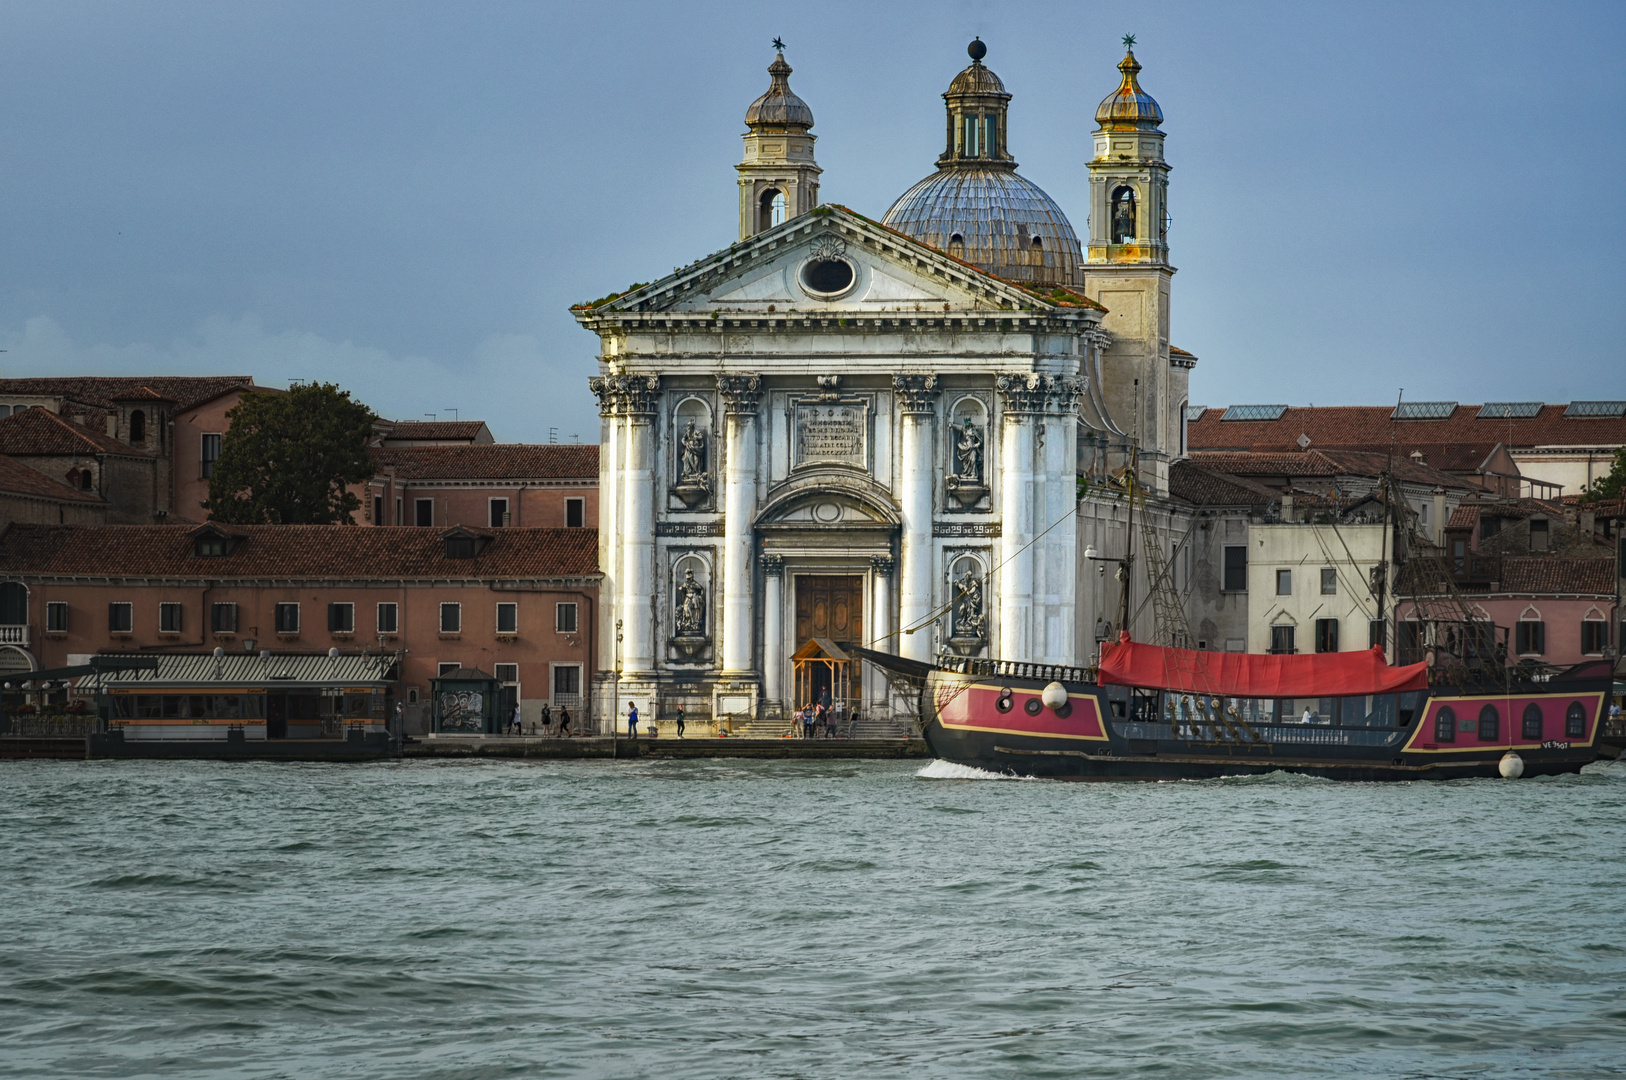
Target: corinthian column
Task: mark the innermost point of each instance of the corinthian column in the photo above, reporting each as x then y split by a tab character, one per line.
609	515
741	396
917	402
773	629
1058	567
1023	399
639	394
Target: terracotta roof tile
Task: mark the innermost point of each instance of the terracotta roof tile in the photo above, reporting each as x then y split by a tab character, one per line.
18	479
1208	487
142	393
305	551
102	391
508	461
1536	574
1328	463
435	429
41	431
1369	427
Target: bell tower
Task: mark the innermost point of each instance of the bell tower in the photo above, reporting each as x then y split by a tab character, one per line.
1127	269
778	178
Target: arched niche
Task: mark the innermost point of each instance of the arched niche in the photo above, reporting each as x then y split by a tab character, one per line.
968	448
967	590
693	452
691	608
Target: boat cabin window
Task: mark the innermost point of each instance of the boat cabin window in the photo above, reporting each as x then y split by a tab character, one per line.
1532	722
1445	725
1490	724
1368	711
1575	721
188	706
1409	702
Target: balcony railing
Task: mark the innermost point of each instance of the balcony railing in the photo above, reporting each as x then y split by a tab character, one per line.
14	635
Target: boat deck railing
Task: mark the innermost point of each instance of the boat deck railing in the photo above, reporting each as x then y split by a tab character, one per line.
1300	734
1011	669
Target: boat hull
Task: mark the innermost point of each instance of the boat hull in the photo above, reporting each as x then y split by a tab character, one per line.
1002	725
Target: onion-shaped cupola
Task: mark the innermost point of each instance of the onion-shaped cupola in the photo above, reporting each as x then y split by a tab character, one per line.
976	206
778	178
1129	108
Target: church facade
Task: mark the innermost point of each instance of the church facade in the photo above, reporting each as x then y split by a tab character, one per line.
840	432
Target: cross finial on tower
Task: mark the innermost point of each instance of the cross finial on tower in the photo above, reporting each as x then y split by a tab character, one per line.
1129	41
779	44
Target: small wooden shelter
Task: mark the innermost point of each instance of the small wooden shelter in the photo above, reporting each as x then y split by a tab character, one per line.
822	667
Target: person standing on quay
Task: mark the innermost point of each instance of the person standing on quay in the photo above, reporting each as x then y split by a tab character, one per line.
632	719
547	717
680	721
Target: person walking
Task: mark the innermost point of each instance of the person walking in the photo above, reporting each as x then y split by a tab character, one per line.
564	722
632	719
516	719
680	721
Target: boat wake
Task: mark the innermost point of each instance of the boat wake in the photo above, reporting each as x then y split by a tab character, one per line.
948	770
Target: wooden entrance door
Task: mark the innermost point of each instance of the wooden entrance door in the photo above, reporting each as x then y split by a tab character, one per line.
830	607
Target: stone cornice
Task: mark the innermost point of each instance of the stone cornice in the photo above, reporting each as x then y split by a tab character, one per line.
103	580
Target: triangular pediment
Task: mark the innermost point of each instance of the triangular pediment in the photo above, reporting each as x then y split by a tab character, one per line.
865	268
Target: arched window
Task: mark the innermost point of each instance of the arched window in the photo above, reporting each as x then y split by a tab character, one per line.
1532	723
1445	725
771	209
957	246
1123	216
86	480
1490	724
1575	721
13	604
138	426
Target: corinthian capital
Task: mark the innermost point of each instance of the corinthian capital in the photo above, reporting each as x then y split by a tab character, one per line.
1062	393
639	393
604	390
741	393
1022	392
916	393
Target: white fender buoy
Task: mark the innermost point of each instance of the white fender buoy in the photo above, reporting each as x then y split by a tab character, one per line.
1054	696
1511	766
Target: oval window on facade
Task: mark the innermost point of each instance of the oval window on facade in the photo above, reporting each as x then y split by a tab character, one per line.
828	277
1445	725
1532	723
1490	724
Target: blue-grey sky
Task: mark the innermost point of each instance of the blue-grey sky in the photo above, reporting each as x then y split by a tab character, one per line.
406	197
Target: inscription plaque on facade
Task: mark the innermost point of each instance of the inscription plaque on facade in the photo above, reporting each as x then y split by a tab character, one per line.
830	433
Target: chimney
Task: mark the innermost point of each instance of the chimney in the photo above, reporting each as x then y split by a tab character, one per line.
1287	506
112	426
1439	515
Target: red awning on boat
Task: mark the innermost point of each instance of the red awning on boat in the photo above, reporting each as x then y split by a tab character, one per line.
1130	663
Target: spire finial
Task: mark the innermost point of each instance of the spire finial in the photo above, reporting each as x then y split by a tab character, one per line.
1129	42
779	44
977	49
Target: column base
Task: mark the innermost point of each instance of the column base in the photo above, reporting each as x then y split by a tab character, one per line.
736	698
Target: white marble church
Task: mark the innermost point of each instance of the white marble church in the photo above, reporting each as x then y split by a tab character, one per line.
841	432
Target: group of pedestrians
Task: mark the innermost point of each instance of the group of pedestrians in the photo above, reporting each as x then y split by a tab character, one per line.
632	721
821	720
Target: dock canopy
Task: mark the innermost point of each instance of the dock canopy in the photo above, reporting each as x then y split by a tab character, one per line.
1250	675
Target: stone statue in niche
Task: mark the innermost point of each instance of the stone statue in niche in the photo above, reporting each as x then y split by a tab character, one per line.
694	483
1123	218
689	616
968	453
965	480
968	624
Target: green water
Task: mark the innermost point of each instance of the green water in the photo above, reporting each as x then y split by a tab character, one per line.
783	919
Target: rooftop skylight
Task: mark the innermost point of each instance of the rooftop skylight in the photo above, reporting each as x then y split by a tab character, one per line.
1424	410
1254	412
1194	413
1595	410
1509	410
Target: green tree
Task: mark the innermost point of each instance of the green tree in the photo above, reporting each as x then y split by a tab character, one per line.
1611	485
288	459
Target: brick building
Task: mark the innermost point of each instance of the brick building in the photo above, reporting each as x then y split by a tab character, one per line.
148	444
488	485
518	603
1509	448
